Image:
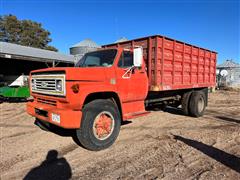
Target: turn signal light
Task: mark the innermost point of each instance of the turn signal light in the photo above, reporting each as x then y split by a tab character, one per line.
75	88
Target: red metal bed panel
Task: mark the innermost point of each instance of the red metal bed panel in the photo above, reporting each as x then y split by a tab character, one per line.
172	64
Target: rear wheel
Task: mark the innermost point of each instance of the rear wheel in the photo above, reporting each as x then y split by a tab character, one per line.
185	102
197	104
100	125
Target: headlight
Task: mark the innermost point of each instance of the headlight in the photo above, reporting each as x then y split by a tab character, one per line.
33	82
59	85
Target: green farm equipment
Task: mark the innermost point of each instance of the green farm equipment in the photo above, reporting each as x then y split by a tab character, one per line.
18	90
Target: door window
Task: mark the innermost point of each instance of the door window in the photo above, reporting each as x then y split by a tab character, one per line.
126	59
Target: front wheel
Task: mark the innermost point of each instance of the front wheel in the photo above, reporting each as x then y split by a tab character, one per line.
100	125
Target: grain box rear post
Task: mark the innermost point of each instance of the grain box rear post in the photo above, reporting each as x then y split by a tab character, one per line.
173	64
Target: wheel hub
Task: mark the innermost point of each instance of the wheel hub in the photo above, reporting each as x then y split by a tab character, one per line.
201	104
103	125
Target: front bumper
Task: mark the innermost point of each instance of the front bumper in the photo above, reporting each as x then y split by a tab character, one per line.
69	118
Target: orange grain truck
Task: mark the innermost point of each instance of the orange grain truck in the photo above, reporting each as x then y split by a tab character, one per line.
117	83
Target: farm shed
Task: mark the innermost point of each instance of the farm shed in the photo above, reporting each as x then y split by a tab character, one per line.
229	74
16	60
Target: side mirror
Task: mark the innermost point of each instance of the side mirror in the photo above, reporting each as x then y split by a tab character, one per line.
137	57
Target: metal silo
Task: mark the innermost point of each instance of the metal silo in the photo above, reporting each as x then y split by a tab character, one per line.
79	49
228	74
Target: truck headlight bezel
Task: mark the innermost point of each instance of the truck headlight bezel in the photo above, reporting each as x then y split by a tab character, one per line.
33	84
59	85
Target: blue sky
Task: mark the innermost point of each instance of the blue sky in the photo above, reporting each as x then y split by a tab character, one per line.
211	24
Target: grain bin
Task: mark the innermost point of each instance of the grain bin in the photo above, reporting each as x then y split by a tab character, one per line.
83	47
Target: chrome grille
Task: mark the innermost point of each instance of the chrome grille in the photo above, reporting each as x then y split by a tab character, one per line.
48	84
45	84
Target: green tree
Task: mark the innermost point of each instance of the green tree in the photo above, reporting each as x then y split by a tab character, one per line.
24	32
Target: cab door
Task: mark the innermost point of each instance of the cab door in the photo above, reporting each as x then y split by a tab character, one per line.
132	83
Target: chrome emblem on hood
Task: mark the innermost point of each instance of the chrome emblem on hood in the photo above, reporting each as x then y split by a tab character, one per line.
44	84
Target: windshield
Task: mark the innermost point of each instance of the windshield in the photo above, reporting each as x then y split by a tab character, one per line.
104	58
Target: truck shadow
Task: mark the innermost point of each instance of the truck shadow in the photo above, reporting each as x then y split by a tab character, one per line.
169	109
173	110
63	132
224	158
51	168
125	122
72	133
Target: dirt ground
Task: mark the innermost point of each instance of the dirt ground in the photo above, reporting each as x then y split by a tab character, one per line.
162	145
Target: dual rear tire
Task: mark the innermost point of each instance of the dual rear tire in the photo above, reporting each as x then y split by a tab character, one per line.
194	103
197	104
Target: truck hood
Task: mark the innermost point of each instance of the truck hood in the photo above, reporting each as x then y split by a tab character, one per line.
78	73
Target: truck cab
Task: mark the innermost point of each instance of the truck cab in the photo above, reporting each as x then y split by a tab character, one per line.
106	87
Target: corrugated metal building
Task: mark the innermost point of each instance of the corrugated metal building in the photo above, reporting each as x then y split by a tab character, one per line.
16	60
231	77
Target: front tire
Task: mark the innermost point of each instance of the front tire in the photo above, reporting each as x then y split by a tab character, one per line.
100	125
